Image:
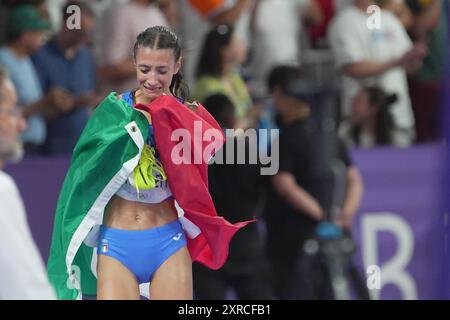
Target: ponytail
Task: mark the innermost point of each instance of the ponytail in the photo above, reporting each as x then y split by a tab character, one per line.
178	87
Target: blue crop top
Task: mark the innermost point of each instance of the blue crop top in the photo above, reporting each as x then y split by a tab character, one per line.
157	194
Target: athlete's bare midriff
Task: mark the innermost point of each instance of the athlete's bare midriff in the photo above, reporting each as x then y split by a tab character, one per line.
131	215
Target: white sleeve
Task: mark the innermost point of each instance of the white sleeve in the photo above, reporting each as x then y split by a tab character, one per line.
344	42
22	272
119	35
403	41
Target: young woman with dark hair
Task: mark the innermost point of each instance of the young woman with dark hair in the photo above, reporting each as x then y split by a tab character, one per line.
128	202
218	72
371	119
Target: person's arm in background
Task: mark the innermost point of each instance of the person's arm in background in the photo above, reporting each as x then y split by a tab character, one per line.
354	189
217	12
410	61
287	187
91	97
427	19
23	275
402	11
312	15
36	107
40	106
231	15
368	68
122	70
348	51
117	61
352	200
171	11
285	183
54	102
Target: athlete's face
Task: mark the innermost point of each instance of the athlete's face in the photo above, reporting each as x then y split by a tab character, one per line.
155	70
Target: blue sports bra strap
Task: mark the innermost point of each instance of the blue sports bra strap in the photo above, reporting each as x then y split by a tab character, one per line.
128	98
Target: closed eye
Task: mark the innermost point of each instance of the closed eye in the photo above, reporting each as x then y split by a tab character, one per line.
162	70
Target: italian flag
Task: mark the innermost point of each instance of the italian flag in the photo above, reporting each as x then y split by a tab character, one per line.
105	155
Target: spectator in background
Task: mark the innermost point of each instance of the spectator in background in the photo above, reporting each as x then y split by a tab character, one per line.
400	9
298	193
317	32
232	12
431	26
54	8
218	72
124	23
277	27
65	62
236	192
199	16
22	273
171	10
378	55
7	5
26	30
371	119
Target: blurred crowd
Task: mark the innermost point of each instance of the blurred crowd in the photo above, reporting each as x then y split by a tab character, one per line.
246	61
388	64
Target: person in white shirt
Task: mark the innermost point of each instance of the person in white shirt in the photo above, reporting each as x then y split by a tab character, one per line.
376	54
118	35
22	271
277	27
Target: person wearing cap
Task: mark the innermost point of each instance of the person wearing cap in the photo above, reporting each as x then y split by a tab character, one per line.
67	63
299	193
26	31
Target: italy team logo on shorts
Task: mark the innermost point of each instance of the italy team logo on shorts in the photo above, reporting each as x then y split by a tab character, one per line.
104	247
177	237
